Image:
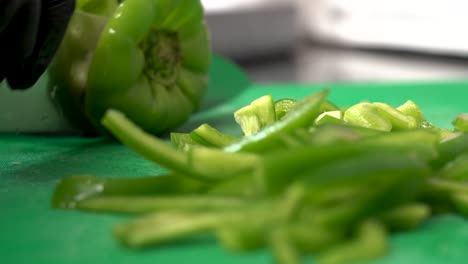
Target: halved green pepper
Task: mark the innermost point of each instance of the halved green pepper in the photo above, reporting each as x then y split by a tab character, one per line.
148	58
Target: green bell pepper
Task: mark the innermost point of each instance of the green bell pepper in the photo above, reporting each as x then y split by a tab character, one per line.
147	58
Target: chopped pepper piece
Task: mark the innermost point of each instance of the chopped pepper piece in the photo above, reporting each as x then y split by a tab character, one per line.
367	115
461	122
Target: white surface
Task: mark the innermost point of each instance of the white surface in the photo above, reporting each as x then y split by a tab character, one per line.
249	28
426	25
334	64
222	6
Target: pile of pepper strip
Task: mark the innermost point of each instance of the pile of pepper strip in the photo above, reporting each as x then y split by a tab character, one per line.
316	180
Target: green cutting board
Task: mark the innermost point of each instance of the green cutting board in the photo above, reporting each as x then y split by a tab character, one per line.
30	167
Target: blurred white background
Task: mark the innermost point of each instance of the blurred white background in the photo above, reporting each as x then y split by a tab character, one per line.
418	25
342	40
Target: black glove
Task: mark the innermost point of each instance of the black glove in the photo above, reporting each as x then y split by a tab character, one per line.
30	34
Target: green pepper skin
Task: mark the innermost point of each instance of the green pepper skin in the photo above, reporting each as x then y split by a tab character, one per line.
150	60
72	190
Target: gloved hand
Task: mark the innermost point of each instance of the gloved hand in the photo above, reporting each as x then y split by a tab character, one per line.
30	34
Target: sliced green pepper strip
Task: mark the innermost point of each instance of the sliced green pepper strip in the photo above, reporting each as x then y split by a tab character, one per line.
450	148
438	191
383	190
276	170
240	237
71	190
160	228
339	194
211	137
367	168
234	234
302	115
241	185
311	238
407	216
279	169
333	133
456	169
145	204
370	242
291	203
197	162
165	227
424	136
422	141
460	201
292	140
440	185
283	249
